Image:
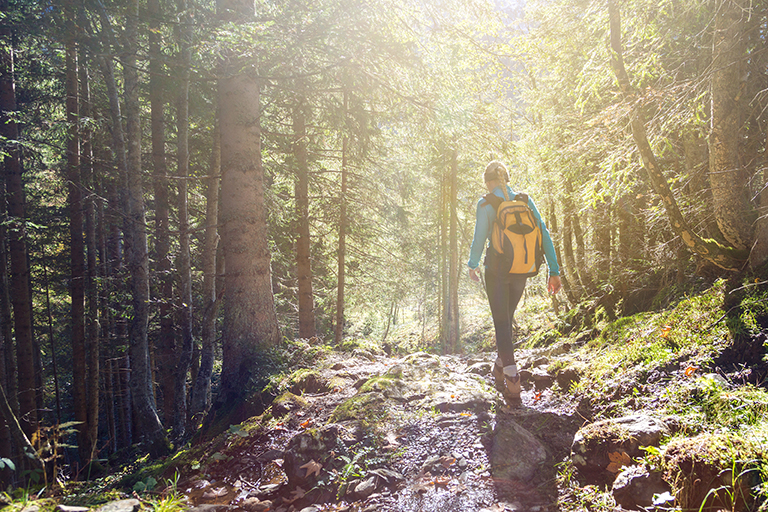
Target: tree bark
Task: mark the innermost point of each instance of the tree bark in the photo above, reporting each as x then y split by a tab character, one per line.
200	397
184	355
250	321
342	251
724	257
163	269
136	255
303	263
17	246
727	176
77	250
93	275
452	310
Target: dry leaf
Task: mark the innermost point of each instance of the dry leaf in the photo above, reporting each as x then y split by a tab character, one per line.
306	424
537	396
312	467
618	461
442	481
447	461
296	494
665	331
690	370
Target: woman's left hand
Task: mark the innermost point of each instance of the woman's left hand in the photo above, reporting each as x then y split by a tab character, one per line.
554	284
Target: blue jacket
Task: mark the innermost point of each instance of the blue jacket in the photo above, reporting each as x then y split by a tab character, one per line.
486	216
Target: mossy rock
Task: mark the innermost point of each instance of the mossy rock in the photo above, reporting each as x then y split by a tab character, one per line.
389	386
286	403
712	472
307	381
367	408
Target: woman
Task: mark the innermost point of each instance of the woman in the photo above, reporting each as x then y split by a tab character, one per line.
505	290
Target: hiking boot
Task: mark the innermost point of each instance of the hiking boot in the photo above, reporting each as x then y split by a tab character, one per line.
512	387
498	375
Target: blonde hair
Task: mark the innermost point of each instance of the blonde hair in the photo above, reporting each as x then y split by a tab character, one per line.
497	171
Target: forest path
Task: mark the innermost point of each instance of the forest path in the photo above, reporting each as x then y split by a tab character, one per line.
371	432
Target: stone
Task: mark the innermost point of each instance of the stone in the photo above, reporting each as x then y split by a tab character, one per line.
601	449
69	508
541	378
516	454
255	505
366	487
130	505
635	487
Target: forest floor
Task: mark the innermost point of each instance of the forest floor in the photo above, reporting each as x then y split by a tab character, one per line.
366	430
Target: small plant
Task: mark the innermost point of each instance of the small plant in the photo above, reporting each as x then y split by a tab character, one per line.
145	485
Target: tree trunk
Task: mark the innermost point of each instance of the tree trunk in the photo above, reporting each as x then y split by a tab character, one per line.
452	310
727	258
136	256
303	264
17	246
342	252
93	341
727	176
184	355
77	252
164	288
200	397
250	321
759	254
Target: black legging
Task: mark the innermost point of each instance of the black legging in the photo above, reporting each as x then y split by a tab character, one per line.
504	293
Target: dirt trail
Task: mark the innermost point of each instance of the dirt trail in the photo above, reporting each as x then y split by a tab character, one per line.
420	433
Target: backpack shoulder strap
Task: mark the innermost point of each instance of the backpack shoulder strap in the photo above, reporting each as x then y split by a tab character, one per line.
493	199
522	196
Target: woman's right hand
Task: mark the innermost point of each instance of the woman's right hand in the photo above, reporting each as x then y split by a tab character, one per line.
474	274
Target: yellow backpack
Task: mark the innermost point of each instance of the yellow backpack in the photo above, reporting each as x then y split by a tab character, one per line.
516	246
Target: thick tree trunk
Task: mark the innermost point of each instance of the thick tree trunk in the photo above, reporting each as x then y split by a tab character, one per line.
165	343
303	264
250	322
342	251
184	355
17	248
727	258
727	176
136	255
200	397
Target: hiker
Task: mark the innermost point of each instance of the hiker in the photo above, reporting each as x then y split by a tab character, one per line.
505	279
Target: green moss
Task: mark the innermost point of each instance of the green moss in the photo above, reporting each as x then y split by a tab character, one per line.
367	408
381	383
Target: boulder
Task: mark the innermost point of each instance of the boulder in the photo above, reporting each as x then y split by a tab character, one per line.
635	487
601	449
516	454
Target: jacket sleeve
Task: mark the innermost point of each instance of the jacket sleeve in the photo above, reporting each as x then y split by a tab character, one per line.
546	242
482	229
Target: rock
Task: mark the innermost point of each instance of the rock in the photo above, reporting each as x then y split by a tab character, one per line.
130	505
307	453
515	454
566	377
540	361
211	508
366	487
255	505
635	487
601	449
270	455
389	476
69	508
541	378
481	368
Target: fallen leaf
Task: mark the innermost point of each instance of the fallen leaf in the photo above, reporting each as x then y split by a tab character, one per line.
618	461
665	331
442	481
537	396
464	414
447	461
312	467
690	370
306	424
